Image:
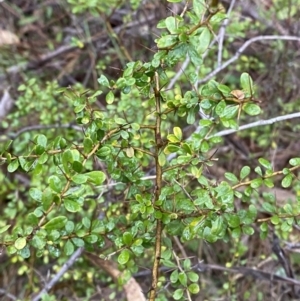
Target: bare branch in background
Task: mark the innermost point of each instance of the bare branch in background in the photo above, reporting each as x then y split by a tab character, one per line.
222	33
256	123
40	127
58	275
242	49
6	104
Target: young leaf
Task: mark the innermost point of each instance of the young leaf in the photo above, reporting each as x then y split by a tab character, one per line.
287	181
194	288
204	40
251	109
246	82
177	132
55	223
171	24
71	205
96	177
110	97
124	257
245	171
102	80
13	165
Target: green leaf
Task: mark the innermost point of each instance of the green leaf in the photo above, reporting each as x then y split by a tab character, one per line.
256	183
104	151
248	230
245	171
246	83
251	109
127	238
91	239
41	140
38	242
86	222
265	163
268	207
196	59
193	277
96	177
69	227
287	181
79	108
231	177
55	223
233	220
220	107
194	288
78	242
172	138
295	161
171	148
36	194
264	227
162	159
287	207
87	144
124	257
102	80
174	276
79	179
199	7
182	278
20	243
167	41
171	24
13	165
43	158
275	220
69	248
177	132
25	252
204	40
129	152
71	205
177	295
110	97
258	170
77	166
55	183
4	228
236	233
230	112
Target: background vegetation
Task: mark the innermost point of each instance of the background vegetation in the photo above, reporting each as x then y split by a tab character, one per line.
127	171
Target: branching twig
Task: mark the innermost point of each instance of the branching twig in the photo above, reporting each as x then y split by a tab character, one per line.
255	124
41	127
242	49
8	295
222	33
63	270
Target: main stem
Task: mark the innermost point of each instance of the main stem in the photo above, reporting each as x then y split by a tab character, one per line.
158	186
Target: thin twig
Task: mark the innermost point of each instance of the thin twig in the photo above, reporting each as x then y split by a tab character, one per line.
179	73
222	33
8	295
61	272
255	124
40	127
242	49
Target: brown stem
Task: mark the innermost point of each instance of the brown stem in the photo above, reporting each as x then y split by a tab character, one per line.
158	186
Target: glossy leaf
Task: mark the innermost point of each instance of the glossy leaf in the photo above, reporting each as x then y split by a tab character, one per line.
123	257
55	223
